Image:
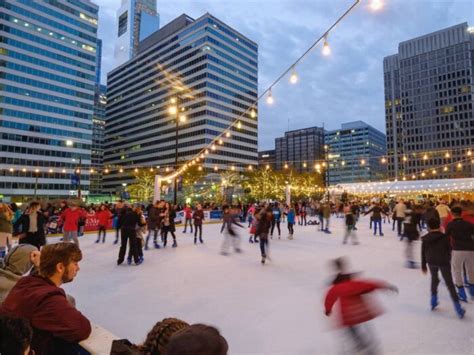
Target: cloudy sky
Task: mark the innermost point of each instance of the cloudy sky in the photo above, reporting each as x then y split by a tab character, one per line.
346	86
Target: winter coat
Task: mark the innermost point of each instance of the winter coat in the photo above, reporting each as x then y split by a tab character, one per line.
376	213
291	216
154	217
443	210
16	264
435	250
38	238
326	210
188	213
129	220
355	307
264	223
399	210
431	213
45	305
103	217
276	214
461	234
71	219
198	217
410	225
6	225
168	221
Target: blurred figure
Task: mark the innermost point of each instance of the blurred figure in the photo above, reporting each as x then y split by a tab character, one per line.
188	218
31	224
198	217
355	307
231	236
410	232
6	228
290	216
15	336
350	221
263	228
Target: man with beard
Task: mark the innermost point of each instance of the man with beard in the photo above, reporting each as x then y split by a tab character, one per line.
57	325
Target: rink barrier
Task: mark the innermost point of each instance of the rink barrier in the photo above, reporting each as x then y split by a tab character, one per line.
99	342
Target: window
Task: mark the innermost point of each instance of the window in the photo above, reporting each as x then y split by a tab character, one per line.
122	23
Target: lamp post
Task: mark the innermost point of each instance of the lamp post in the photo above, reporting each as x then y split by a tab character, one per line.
77	170
175	109
326	156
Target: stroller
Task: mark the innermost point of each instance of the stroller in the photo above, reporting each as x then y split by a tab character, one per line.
53	226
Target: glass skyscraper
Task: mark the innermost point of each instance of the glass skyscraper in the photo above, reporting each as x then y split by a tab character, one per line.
218	67
429	105
355	153
47	75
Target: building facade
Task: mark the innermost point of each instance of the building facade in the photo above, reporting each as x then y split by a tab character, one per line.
212	69
98	135
136	20
47	74
429	105
355	153
267	158
300	149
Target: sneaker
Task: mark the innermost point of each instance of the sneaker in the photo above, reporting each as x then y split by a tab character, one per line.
138	262
381	234
224	253
116	241
174	244
157	246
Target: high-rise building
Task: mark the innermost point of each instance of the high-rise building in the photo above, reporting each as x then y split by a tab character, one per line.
428	105
356	153
212	69
136	20
98	135
48	61
300	149
267	158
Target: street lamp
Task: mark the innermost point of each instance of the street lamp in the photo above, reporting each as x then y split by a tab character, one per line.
326	157
179	117
76	171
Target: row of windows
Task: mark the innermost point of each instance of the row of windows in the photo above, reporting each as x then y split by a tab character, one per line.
219	79
40	175
224	125
38	163
232	34
40	186
56	14
46	97
46	119
234	43
252	63
233	77
47	130
51	44
232	68
51	23
46	108
82	5
44	85
44	74
44	152
44	63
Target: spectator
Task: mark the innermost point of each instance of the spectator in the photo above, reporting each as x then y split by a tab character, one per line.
71	217
15	336
6	228
57	325
197	339
32	224
17	263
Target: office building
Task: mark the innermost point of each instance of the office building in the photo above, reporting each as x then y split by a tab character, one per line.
356	153
98	135
428	105
212	69
267	158
300	149
48	60
136	20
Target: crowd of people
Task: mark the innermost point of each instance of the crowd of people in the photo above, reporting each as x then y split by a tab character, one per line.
36	313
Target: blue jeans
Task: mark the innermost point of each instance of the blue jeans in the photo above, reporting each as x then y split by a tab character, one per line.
379	223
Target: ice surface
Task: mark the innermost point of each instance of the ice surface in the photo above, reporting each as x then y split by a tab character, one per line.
272	309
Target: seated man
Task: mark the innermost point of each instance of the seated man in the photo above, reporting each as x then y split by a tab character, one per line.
57	326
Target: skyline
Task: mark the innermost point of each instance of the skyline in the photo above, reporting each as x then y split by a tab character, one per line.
346	86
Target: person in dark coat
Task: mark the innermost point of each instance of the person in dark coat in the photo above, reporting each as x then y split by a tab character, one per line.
128	232
198	217
167	216
32	226
436	252
153	222
263	228
410	232
376	218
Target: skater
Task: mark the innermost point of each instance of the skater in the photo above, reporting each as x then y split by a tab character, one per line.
103	215
141	232
399	216
326	210
460	233
350	224
355	308
231	236
436	252
31	224
410	232
118	211
290	217
128	232
443	211
168	215
188	218
71	218
376	218
303	211
225	217
6	229
198	217
276	219
263	228
154	224
253	226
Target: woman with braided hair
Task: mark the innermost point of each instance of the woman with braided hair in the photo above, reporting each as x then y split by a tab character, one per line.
156	341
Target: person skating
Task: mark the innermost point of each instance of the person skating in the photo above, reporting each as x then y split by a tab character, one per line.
460	233
350	224
326	210
154	224
31	224
225	217
263	228
103	215
231	236
376	218
410	232
290	220
276	219
253	225
168	215
198	217
355	308
118	212
399	216
188	218
436	253
128	232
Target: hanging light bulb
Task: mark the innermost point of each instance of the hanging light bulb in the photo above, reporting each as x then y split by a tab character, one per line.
92	171
286	166
11	170
253	114
405	158
425	157
469	153
413	177
215	168
362	162
445	168
293	76
167	169
433	172
459	166
232	167
326	48
227	134
105	171
239	125
270	97
202	155
135	170
213	147
121	170
250	167
404	178
206	151
383	160
37	171
267	167
151	170
221	141
343	163
376	5
24	170
423	174
447	155
50	170
304	165
200	168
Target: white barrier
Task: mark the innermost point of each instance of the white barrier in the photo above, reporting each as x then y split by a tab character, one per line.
99	342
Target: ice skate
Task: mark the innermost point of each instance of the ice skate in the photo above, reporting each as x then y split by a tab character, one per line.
434	302
462	293
459	310
202	241
157	246
174	244
263	260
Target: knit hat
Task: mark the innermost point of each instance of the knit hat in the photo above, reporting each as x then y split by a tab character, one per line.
18	260
159	336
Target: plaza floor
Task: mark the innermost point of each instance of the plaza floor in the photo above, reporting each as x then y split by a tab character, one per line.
276	308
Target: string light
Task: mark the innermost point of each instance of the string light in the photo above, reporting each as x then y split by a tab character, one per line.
250	167
425	157
376	5
24	170
37	171
445	168
304	165
105	171
405	158
293	76
213	147
413	177
383	160
423	174
121	170
362	162
64	171
50	170
215	168
227	134
433	172
447	155
253	114
232	168
469	153
92	171
151	170
286	166
267	167
136	170
11	170
459	165
221	141
270	97
239	125
200	168
326	49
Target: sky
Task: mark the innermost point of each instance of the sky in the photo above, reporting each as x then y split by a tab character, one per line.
345	86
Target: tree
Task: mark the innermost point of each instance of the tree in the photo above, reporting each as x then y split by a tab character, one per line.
144	186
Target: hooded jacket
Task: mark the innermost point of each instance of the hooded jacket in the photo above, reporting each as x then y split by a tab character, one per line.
16	264
461	234
435	250
53	319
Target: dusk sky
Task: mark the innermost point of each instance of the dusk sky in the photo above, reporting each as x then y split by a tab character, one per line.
346	86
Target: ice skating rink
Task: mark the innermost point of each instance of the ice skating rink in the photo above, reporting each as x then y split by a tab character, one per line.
272	309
